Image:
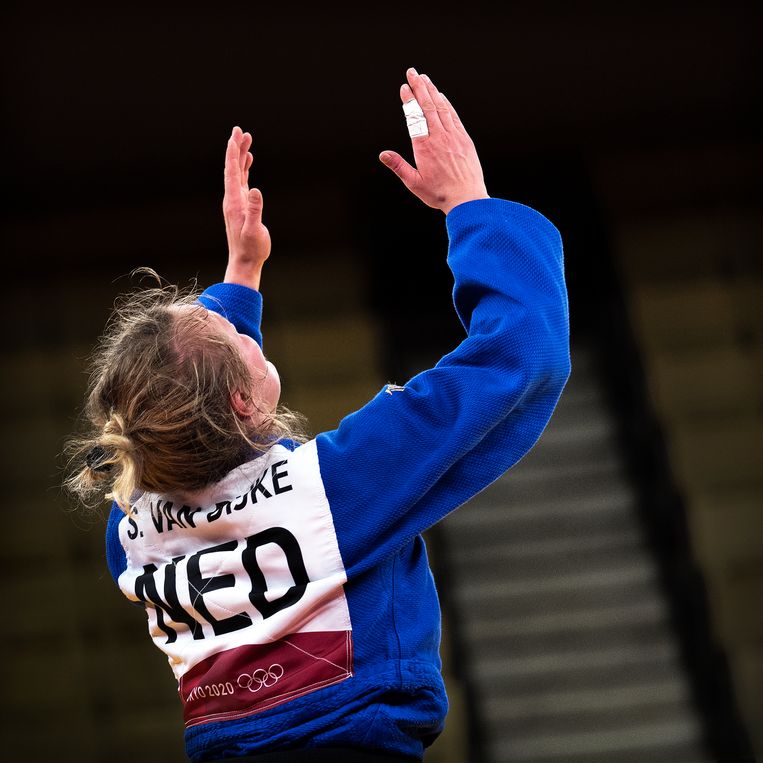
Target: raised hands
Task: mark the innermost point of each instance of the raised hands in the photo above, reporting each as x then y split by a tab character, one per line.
248	238
448	170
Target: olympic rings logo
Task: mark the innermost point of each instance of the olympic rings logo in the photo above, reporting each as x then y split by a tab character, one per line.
260	678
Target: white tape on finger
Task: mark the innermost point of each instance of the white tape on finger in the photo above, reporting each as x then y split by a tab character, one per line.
415	119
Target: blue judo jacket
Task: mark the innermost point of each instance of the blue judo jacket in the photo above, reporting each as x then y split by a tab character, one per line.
294	600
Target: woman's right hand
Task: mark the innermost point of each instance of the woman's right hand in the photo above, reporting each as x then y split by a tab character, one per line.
448	170
248	238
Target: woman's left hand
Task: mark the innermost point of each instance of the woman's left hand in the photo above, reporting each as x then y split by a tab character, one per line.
248	238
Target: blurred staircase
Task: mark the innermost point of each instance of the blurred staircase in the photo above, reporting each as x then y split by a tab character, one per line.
561	618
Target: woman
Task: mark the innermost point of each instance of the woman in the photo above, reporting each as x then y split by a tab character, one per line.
288	583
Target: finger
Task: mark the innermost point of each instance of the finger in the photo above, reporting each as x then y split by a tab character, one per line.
232	169
429	85
414	126
456	120
443	112
247	167
400	167
244	146
421	94
254	206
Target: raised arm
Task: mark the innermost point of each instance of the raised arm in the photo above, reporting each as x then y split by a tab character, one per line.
415	453
238	297
248	238
448	170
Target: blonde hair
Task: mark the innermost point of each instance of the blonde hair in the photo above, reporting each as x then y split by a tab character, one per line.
159	410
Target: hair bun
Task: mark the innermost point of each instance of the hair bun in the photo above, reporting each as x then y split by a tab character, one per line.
115	425
95	458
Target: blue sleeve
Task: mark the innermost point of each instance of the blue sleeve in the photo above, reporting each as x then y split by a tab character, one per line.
241	305
115	554
412	455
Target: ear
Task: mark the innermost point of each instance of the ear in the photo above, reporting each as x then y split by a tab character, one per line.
243	406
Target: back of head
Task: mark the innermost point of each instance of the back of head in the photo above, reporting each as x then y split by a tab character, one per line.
158	406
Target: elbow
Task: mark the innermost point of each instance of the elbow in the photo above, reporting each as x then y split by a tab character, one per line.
530	342
560	372
548	377
560	365
553	321
557	365
547	354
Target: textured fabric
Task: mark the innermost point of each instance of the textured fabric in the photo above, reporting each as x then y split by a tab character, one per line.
241	305
400	464
115	553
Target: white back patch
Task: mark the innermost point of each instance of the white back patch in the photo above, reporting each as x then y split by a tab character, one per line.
244	594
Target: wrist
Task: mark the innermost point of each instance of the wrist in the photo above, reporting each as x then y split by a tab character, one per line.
450	203
244	275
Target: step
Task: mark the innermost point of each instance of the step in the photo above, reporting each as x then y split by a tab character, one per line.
559	597
546	460
513	709
623	574
622	720
644	740
664	752
593	636
492	566
594	461
581	667
648	610
474	526
597	425
538	494
545	547
568	669
580	393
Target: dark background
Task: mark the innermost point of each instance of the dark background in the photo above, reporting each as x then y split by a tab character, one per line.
115	120
116	117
